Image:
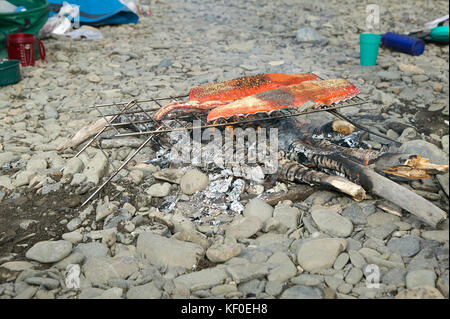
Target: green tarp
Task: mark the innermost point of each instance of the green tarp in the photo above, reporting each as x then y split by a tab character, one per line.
30	21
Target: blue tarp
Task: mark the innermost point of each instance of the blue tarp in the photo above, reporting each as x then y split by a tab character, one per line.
98	12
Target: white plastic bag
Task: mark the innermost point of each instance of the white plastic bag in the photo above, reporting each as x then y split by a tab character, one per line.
62	23
133	5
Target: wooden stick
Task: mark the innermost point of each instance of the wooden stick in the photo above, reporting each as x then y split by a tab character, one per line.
85	133
402	197
296	193
295	172
371	181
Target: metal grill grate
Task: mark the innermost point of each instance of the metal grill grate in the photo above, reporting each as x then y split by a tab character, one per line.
137	115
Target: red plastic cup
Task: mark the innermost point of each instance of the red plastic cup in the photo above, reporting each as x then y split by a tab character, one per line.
21	46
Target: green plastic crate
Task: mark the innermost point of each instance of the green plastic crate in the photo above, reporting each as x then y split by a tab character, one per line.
9	72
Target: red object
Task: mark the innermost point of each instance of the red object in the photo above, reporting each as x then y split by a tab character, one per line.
21	46
323	92
211	95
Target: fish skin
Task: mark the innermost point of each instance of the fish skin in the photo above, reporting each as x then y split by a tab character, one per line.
323	92
234	89
210	95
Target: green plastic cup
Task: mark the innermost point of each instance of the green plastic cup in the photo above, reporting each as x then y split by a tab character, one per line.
369	44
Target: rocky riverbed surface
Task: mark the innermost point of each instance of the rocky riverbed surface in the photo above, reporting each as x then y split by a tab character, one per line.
158	232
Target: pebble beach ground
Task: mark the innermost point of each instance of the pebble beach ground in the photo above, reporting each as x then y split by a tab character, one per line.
126	247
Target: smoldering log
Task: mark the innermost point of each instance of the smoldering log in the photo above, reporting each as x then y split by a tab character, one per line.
409	166
295	172
370	180
296	193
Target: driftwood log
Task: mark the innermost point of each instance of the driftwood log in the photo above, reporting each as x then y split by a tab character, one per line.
93	129
296	172
370	180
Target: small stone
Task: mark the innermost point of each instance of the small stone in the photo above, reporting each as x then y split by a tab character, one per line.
284	268
354	276
223	289
99	270
357	259
345	288
73	237
355	214
271	225
302	292
74	224
353	244
96	168
252	288
193	237
341	261
93	78
380	219
307	280
333	282
193	181
158	190
129	208
287	216
420	78
147	291
136	176
395	277
331	222
105	209
437	87
171	252
442	284
389	76
244	227
44	294
28	293
48	283
381	232
170	175
410	68
319	254
36	165
112	293
444	181
223	252
274	288
309	35
441	236
78	179
17	265
203	279
49	251
93	249
423	277
74	258
258	208
246	272
421	292
73	166
407	246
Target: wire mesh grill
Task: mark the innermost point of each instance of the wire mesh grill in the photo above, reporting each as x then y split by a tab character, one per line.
135	119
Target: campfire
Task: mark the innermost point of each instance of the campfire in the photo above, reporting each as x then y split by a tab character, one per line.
335	158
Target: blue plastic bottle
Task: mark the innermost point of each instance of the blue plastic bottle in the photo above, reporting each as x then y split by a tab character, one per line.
403	43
